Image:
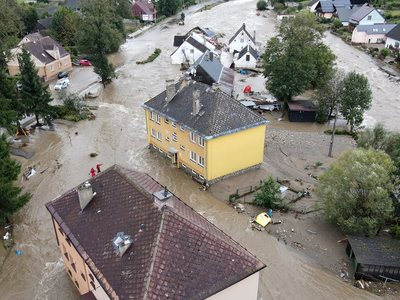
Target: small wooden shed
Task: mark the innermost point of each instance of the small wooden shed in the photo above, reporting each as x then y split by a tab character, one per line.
301	111
374	257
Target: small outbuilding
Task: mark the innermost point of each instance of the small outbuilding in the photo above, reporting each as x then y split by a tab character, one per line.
301	111
374	257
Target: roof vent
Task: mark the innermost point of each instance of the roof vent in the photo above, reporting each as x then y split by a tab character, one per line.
85	194
163	197
216	86
122	243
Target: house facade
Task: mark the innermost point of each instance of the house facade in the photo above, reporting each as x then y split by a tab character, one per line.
196	126
122	235
241	39
371	34
144	10
48	56
393	38
247	58
366	15
191	49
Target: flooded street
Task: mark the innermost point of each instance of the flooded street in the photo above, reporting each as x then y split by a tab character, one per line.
118	136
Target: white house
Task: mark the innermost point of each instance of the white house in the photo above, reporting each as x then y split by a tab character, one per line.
241	39
393	37
365	16
371	34
247	58
191	49
312	5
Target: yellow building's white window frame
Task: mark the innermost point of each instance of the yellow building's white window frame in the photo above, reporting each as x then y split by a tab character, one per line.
159	136
200	141
166	121
174	137
173	124
153	133
193	137
200	161
181	129
167	139
158	118
152	115
182	147
193	156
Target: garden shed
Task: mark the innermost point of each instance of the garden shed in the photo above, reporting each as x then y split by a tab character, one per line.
301	111
374	257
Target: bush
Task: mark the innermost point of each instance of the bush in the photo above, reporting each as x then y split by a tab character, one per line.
324	20
300	7
278	7
388	16
337	24
385	52
261	5
290	10
395	230
267	195
152	57
321	117
161	18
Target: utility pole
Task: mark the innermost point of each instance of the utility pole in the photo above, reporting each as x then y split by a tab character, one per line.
333	133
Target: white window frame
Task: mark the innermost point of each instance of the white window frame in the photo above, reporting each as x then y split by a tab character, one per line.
193	137
182	148
153	132
59	65
173	124
159	136
200	141
152	115
174	137
167	139
166	121
200	161
241	41
158	119
193	156
65	62
181	129
51	68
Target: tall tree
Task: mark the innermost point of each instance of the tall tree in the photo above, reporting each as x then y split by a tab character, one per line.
103	68
377	137
30	17
7	96
11	199
354	192
34	97
62	26
11	28
296	58
357	98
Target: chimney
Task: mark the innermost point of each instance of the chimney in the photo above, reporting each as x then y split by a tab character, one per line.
85	194
244	26
163	197
170	83
122	243
196	102
211	55
215	86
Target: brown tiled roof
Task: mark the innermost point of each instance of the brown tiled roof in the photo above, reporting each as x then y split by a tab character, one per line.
39	46
179	254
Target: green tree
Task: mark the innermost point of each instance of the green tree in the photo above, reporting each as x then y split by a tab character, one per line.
167	7
35	98
182	17
7	96
123	8
357	98
103	68
354	192
378	137
262	5
62	26
267	195
393	149
337	24
44	14
385	52
30	17
11	199
100	28
296	57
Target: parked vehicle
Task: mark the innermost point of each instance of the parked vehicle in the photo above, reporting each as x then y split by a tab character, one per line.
62	75
84	62
61	84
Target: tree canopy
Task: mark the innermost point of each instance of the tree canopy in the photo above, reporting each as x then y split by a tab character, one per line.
295	59
62	25
11	199
7	97
103	68
35	98
354	192
266	197
30	17
167	7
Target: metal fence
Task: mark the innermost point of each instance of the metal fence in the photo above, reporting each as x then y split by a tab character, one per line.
245	191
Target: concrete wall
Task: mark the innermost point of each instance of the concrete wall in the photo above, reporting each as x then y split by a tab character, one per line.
245	289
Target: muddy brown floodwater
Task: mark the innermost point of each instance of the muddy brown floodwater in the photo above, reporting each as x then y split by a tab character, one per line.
118	136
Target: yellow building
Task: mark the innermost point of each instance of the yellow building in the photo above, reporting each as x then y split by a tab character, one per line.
204	131
124	236
47	55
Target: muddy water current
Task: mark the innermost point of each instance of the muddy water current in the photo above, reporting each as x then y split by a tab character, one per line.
118	136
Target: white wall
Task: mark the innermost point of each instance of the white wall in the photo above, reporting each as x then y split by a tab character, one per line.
243	290
390	41
242	63
192	54
241	41
376	17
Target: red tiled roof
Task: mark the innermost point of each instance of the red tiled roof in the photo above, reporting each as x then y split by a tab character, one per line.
179	254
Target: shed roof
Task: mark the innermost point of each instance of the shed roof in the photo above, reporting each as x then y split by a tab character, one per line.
394	33
177	254
376	251
301	105
179	39
245	31
376	28
220	114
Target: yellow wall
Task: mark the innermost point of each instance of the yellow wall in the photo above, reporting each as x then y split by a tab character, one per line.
86	284
233	152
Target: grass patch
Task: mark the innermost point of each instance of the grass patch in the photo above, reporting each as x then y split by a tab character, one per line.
151	57
208	7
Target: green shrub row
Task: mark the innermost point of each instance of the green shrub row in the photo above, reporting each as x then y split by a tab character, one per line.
343	132
151	57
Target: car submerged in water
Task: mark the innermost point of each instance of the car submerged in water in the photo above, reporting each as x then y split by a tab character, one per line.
61	84
62	75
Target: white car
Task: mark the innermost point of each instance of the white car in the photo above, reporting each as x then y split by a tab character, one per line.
62	83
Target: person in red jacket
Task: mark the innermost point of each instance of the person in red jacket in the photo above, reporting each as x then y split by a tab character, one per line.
93	172
98	167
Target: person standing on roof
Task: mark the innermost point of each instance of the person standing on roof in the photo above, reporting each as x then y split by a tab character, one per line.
93	172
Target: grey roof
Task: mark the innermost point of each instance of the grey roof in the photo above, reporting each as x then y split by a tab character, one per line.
38	49
74	4
327	6
248	49
394	33
376	28
244	29
344	13
312	2
45	22
376	251
179	39
49	9
209	64
361	13
207	32
220	114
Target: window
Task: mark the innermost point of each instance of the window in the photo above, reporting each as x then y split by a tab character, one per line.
73	266
66	255
200	140
183	165
159	136
152	115
191	50
396	44
201	161
174	137
166	121
181	129
183	148
173	124
59	65
153	133
65	62
369	17
69	272
247	57
158	118
91	277
60	230
167	139
193	156
77	284
242	41
92	284
51	68
193	137
68	241
83	276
